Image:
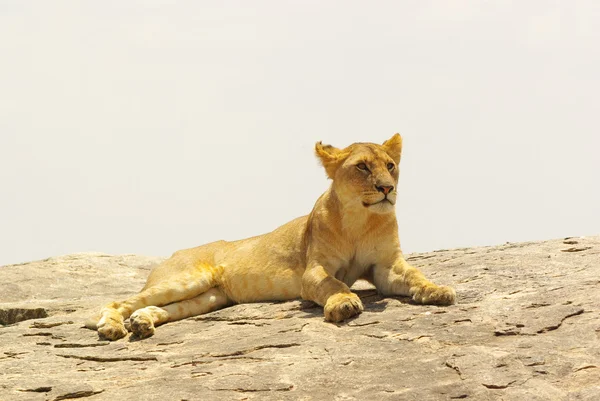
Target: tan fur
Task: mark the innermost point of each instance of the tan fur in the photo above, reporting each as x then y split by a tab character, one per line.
351	233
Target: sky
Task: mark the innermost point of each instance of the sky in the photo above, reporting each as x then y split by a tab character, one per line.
151	126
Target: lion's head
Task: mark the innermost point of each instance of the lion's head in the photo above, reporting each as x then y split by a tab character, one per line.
364	174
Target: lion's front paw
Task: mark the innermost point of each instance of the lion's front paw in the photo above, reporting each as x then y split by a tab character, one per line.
111	327
342	306
434	294
142	325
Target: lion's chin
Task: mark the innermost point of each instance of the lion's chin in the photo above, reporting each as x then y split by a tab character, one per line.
384	206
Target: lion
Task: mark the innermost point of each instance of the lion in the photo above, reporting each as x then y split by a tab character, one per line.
351	234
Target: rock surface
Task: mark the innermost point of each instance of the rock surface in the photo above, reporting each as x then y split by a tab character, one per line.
526	328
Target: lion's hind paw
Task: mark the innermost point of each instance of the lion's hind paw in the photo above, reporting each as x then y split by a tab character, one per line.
111	327
142	325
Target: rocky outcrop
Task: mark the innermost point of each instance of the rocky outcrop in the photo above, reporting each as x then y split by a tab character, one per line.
526	328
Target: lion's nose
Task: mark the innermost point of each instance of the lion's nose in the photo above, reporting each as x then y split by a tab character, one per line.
386	189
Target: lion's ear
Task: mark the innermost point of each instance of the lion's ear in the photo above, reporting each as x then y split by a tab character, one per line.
393	147
331	158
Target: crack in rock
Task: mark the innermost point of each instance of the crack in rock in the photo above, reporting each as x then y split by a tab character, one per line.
519	329
497	386
201	374
110	359
198	362
577	369
510	331
40	325
536	363
574	249
538	305
13	355
294	329
254	390
247	351
246	322
74	345
171	343
556	326
418	257
354	324
378	336
36	390
455	367
44	334
239	319
77	394
406	337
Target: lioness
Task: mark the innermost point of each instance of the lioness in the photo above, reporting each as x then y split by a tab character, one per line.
351	233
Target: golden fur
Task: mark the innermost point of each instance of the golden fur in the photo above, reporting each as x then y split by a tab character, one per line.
351	233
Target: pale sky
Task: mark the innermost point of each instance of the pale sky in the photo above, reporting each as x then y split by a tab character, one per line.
150	126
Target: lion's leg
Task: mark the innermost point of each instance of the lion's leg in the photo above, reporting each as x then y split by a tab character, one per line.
143	321
339	303
178	288
404	279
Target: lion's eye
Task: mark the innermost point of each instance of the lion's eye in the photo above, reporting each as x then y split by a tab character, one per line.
390	166
362	167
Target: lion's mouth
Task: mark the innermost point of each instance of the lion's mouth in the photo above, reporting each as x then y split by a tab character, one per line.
365	204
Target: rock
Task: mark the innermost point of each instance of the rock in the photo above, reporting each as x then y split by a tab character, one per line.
15	315
526	327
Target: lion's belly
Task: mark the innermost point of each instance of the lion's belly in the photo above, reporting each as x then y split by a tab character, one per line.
254	284
255	271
